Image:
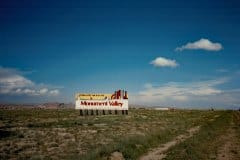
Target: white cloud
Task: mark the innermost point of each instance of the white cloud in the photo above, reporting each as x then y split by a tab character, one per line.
202	93
54	92
29	91
164	62
13	82
222	70
203	44
43	91
148	85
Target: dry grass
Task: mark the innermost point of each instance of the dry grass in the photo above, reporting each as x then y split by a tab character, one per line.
215	140
63	134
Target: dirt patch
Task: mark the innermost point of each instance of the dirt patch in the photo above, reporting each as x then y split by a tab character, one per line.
159	153
212	119
116	156
231	147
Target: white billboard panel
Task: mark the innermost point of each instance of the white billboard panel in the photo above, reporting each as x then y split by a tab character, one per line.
101	101
115	104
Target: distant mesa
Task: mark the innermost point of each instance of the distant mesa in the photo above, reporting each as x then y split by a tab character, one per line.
54	105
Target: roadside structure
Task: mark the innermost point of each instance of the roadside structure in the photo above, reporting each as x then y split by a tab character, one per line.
101	103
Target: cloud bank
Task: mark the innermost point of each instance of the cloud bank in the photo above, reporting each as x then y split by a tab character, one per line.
164	62
12	82
202	44
192	94
183	91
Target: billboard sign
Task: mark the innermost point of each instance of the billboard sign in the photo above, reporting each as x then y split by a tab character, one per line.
116	101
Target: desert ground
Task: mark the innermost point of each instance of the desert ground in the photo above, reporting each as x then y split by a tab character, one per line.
143	134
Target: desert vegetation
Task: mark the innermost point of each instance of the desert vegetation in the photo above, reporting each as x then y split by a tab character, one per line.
63	134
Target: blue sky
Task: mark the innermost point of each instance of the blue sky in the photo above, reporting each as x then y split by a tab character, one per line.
175	53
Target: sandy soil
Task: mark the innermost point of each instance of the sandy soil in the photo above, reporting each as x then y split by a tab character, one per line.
159	152
116	156
231	147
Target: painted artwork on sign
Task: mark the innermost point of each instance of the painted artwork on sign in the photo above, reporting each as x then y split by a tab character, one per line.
116	101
